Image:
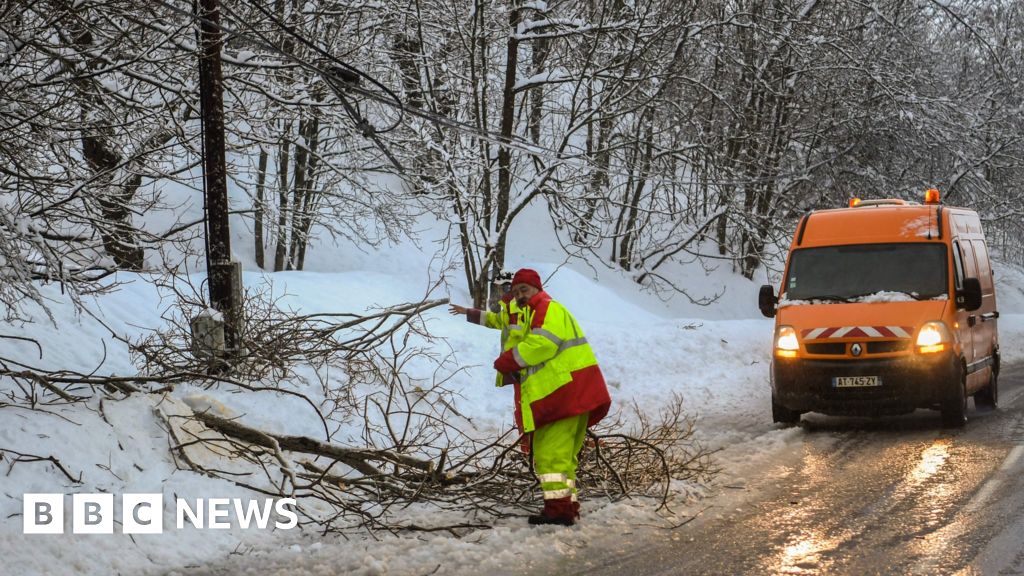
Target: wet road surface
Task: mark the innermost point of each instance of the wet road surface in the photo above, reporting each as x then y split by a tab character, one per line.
897	495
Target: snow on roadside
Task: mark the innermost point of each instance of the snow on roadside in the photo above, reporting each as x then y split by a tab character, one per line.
120	447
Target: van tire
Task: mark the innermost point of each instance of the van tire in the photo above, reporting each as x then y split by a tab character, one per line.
783	415
988	397
954	411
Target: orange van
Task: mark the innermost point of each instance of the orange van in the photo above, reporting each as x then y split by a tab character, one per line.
885	306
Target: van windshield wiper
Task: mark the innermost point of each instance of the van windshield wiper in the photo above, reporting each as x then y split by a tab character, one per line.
932	296
830	297
913	295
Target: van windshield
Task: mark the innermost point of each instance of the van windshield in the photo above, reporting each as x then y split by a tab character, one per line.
850	273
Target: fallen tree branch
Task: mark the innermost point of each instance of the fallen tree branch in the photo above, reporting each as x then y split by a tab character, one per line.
355	458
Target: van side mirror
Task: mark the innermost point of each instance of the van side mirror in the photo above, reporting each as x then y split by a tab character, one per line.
767	301
969	297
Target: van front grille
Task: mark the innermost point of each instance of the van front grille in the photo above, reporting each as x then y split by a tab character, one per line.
839	348
890	346
835	348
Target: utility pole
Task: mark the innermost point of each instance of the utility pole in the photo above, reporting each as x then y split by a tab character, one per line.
223	275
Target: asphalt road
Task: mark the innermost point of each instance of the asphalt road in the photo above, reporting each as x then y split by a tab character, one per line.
897	495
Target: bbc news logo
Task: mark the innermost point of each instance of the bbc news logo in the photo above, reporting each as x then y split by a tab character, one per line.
144	513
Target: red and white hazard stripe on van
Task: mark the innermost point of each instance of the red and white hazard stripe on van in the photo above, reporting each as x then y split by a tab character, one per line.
859	332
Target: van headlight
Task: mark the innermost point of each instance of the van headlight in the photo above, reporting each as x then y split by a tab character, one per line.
933	337
786	344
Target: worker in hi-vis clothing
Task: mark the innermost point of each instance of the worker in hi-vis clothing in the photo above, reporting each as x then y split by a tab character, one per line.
559	388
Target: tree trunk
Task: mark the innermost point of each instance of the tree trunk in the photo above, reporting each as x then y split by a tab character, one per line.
259	209
406	49
299	193
540	47
600	155
113	199
115	228
630	233
309	201
478	76
283	158
508	108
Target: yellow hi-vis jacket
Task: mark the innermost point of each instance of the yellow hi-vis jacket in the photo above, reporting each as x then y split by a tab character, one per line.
557	370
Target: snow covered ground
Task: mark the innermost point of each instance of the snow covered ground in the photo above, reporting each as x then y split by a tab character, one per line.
716	357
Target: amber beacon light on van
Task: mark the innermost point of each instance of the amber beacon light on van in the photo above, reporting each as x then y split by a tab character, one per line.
931	196
885	306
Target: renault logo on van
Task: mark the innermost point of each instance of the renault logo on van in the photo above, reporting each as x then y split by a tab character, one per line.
856	349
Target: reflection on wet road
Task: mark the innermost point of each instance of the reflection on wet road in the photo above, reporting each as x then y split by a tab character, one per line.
865	496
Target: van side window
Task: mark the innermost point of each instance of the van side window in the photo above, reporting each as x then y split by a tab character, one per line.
958	267
984	269
970	263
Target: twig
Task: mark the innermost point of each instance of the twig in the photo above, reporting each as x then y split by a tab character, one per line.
22	457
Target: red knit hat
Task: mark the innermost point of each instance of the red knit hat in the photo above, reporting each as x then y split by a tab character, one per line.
528	277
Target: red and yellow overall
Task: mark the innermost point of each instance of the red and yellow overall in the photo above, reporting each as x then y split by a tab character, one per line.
560	392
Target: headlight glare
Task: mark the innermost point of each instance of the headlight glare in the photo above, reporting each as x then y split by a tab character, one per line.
786	344
933	337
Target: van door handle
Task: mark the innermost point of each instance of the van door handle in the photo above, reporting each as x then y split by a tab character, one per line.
972	320
989	316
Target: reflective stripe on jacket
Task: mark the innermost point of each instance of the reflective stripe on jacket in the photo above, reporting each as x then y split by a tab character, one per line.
559	373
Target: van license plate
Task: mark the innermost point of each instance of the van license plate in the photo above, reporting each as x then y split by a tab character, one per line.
855	381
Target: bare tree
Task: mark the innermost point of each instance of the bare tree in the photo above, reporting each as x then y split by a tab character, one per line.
94	102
